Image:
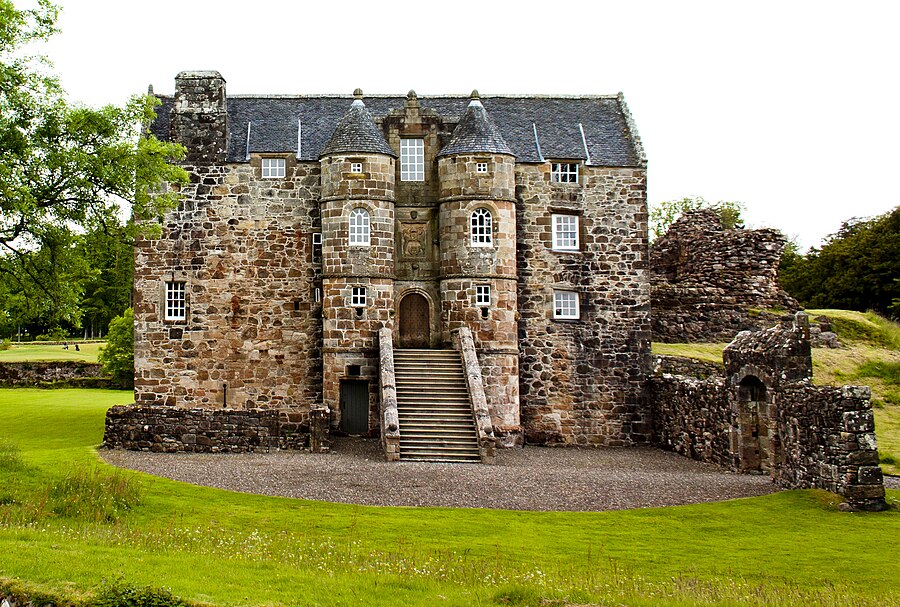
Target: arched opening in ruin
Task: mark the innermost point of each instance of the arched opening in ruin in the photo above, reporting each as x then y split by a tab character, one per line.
753	420
415	321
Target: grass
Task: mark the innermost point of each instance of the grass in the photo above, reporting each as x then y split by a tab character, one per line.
790	548
870	356
36	351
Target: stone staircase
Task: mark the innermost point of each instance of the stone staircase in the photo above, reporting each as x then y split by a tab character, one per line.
436	422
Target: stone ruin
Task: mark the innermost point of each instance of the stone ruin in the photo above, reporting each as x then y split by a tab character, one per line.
763	415
707	283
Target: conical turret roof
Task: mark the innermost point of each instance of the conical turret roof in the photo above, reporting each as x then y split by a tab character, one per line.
357	132
476	132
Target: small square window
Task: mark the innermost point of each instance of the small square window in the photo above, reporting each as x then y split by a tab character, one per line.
272	168
317	239
481	167
412	160
565	232
565	304
358	297
564	172
176	303
482	295
356	167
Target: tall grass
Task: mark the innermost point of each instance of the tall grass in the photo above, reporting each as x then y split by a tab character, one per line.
94	494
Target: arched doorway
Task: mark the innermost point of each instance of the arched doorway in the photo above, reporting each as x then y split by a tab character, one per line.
415	321
753	419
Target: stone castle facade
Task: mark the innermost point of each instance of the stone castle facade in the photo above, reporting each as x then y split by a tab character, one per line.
312	222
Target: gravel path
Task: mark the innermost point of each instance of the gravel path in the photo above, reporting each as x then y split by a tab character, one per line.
892	482
533	478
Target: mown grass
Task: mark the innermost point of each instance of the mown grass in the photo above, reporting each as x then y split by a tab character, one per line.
790	548
36	351
707	352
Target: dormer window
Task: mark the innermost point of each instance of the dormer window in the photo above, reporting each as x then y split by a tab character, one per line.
356	167
412	160
273	168
481	167
563	172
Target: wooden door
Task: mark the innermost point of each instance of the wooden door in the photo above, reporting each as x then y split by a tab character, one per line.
355	406
415	322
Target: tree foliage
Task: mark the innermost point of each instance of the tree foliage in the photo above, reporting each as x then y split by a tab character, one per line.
67	170
117	356
858	268
664	214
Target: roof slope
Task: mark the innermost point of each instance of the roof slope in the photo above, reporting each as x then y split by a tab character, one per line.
476	132
357	132
611	140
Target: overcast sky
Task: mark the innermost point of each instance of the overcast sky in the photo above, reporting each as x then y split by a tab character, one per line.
789	107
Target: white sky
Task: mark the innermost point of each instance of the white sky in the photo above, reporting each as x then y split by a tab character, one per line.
790	107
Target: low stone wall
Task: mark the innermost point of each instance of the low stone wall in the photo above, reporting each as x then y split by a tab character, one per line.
679	365
76	374
170	430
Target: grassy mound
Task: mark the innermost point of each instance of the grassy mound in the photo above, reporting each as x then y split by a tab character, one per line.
207	545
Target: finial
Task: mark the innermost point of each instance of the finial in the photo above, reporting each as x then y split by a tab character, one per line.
357	94
474	94
411	95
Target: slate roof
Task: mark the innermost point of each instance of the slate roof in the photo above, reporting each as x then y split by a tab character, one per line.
357	132
476	132
611	137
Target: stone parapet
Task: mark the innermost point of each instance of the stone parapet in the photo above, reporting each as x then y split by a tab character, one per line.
487	442
390	418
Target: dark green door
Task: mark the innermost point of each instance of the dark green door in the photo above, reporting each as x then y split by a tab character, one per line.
355	406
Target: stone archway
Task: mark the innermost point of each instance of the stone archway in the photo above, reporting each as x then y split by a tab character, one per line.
415	321
756	448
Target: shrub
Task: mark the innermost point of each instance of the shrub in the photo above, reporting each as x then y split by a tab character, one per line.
117	357
5	344
55	334
122	594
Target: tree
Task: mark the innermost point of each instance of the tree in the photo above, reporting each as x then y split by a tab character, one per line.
856	269
66	169
664	214
117	356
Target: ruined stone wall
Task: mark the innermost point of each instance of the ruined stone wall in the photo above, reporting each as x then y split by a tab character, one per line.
252	336
582	381
709	283
60	373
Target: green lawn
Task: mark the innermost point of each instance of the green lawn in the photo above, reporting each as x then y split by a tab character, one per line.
58	533
37	351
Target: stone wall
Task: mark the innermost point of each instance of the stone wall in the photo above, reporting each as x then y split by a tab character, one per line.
582	381
44	374
765	416
171	429
709	283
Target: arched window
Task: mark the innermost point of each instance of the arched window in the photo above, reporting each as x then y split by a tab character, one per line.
359	228
482	224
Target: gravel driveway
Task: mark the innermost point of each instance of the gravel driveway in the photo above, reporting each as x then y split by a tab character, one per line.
533	478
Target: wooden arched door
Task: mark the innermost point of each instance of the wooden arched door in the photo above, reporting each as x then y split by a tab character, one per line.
415	321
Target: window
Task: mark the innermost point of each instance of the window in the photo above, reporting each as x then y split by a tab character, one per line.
358	297
482	225
481	167
359	228
412	160
317	294
356	167
564	172
482	295
176	308
272	168
565	304
317	239
565	232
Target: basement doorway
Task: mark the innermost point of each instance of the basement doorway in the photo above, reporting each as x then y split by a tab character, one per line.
415	321
354	406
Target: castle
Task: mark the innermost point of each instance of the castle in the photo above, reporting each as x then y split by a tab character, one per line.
311	223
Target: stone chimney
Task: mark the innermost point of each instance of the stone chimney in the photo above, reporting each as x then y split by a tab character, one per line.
199	119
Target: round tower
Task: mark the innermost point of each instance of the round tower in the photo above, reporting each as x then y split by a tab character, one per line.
476	170
357	210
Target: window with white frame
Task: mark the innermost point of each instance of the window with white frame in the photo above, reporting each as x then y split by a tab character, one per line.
272	168
176	304
359	227
565	304
358	297
482	224
356	167
481	167
412	160
565	232
482	295
564	172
